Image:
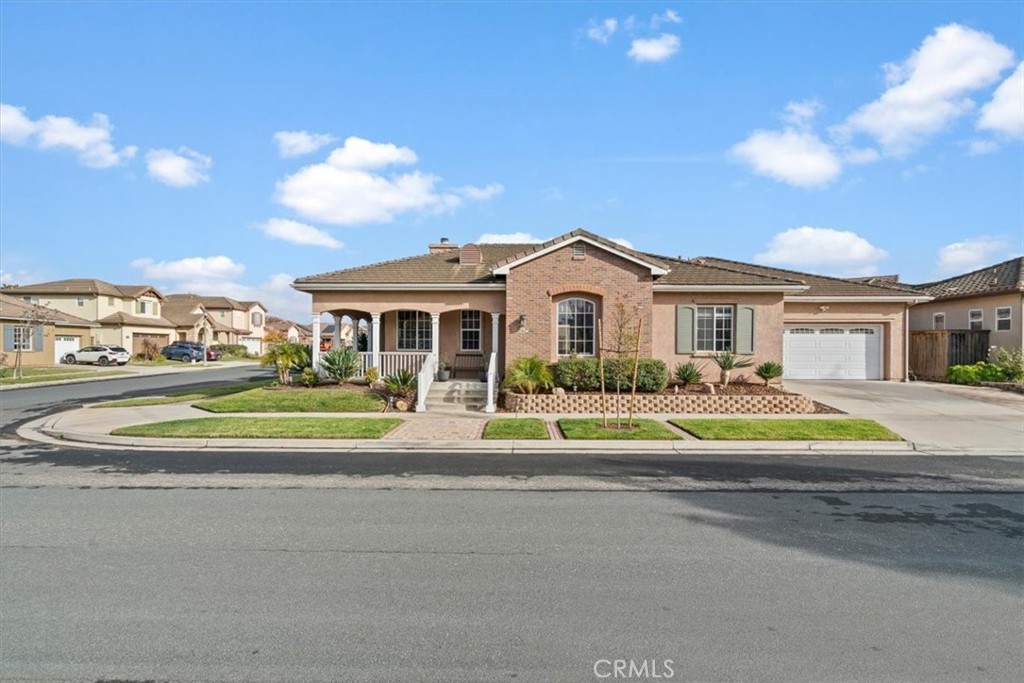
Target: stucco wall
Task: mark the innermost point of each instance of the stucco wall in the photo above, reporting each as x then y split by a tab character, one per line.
957	316
534	288
45	356
768	315
890	315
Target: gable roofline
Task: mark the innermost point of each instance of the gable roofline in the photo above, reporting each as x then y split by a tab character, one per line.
13	308
946	289
86	286
579	235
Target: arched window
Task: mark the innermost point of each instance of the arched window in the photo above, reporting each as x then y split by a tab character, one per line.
575	327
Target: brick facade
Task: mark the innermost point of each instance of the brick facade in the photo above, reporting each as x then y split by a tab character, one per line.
536	287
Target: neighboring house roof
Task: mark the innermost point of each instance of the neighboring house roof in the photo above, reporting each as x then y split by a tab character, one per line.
120	318
12	308
86	286
283	325
821	285
1007	276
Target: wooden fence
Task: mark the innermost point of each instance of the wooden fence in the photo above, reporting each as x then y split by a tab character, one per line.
932	351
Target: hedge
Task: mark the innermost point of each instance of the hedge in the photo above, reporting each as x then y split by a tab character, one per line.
583	374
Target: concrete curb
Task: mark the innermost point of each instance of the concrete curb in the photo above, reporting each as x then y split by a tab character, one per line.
129	374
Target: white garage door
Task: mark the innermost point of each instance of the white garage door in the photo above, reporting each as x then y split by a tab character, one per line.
832	352
62	346
253	344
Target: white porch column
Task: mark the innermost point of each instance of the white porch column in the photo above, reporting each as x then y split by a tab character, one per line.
435	335
316	342
336	344
495	327
375	340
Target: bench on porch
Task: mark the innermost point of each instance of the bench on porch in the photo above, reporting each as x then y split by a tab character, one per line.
471	363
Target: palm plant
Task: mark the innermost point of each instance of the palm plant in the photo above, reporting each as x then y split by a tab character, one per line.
529	375
768	371
689	373
340	365
283	356
401	384
727	361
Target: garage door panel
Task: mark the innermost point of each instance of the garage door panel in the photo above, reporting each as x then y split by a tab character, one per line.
832	352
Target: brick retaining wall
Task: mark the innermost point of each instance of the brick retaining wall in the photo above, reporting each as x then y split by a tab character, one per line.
661	403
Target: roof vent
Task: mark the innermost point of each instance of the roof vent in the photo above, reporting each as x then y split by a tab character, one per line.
442	246
470	255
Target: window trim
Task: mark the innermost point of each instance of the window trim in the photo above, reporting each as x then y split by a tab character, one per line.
727	344
419	329
80	301
935	319
569	339
479	329
1008	318
980	320
23	345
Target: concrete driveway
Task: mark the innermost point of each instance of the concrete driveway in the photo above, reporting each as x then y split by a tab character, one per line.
942	416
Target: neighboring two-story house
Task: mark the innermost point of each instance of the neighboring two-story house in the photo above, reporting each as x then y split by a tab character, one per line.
128	315
42	335
232	321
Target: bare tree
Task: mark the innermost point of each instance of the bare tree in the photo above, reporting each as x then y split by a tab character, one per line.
30	326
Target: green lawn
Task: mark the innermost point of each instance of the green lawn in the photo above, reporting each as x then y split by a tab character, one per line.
33	375
295	401
267	428
590	428
516	428
193	395
787	430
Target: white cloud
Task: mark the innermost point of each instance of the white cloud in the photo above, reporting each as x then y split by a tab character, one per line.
864	155
344	191
654	49
979	147
971	254
298	233
669	16
622	241
193	268
838	251
508	238
91	142
361	154
601	31
800	114
184	168
929	90
293	143
480	194
916	170
791	156
1004	113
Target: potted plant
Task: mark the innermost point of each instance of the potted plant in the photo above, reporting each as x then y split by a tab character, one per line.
444	365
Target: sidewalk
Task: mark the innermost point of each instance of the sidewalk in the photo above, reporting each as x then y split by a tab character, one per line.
129	371
430	432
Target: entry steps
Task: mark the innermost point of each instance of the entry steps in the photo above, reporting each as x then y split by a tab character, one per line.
457	396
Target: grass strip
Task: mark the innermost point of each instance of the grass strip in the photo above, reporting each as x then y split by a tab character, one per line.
516	428
266	428
591	429
53	377
295	401
181	397
787	430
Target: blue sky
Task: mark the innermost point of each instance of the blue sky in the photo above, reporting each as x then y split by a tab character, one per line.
227	148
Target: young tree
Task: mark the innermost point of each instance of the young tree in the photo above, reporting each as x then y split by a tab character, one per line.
29	330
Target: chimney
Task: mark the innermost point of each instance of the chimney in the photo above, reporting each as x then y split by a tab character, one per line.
441	247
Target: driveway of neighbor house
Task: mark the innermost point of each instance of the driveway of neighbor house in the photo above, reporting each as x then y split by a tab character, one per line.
941	416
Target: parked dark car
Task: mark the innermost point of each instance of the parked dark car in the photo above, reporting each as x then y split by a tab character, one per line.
186	352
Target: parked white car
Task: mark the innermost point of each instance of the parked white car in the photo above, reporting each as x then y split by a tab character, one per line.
103	355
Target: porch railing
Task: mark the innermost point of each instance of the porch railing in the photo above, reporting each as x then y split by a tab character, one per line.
392	361
423	381
492	382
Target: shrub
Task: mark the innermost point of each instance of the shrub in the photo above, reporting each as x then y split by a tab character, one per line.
578	374
972	374
768	371
372	374
231	350
727	361
651	375
149	351
401	384
303	357
340	365
689	373
285	356
310	377
529	375
1011	362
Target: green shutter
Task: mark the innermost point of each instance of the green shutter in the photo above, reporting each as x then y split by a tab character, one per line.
8	337
744	329
685	320
37	343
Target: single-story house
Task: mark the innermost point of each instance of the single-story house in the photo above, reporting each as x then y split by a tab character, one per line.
516	300
43	335
990	298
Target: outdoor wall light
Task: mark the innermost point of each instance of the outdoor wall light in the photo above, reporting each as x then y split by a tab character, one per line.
522	323
823	309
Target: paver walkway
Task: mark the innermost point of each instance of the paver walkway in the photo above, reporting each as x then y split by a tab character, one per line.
438	428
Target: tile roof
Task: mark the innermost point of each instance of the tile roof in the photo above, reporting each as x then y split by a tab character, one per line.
209	302
1007	276
818	285
12	308
121	318
441	268
86	286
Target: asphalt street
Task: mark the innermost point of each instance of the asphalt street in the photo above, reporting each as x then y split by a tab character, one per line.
286	585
